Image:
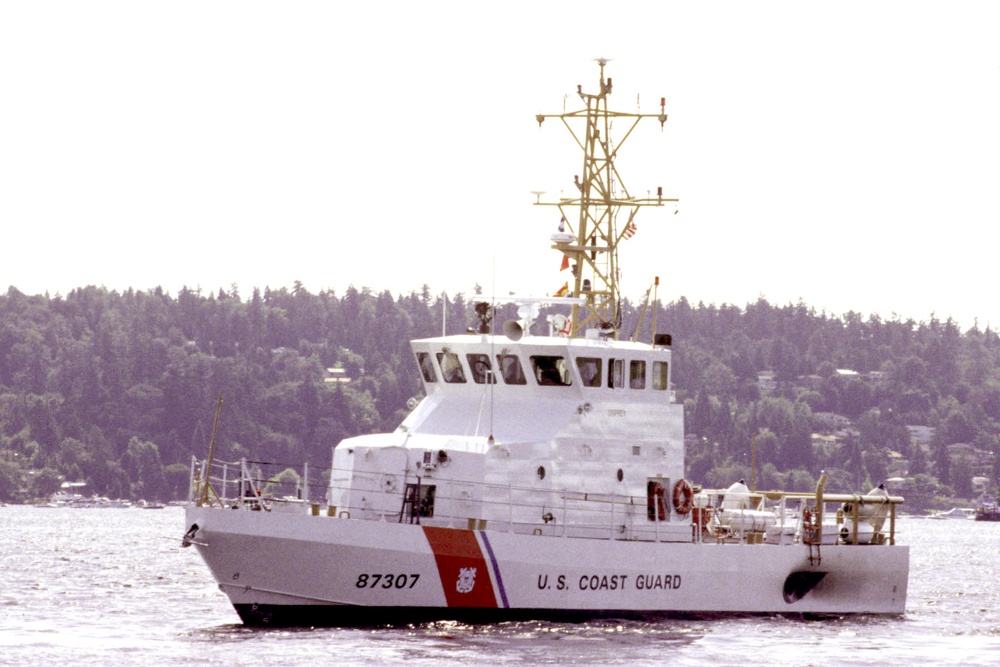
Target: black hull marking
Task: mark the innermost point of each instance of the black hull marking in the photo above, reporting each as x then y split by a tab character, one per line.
798	584
309	616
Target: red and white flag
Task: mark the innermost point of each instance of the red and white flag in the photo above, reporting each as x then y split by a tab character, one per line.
630	228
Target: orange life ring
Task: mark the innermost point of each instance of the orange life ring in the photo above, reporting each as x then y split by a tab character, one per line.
683	495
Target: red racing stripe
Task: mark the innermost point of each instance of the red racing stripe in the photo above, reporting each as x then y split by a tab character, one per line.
462	567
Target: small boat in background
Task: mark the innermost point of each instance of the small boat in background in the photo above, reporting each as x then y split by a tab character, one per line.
955	513
988	510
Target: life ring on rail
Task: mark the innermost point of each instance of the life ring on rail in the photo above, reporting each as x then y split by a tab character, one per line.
683	495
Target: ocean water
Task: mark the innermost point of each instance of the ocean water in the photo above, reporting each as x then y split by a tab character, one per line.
113	587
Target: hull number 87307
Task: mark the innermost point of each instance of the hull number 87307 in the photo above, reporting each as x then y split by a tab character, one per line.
387	580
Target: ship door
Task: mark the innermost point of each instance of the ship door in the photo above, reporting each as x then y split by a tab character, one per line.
418	502
656	505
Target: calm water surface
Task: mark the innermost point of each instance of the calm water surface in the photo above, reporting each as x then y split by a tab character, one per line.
112	587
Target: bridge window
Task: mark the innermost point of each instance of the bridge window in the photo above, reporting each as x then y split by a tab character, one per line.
590	371
510	369
426	367
481	371
451	367
550	371
637	374
616	373
660	377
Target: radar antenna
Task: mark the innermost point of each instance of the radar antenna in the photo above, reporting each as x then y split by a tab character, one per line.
593	247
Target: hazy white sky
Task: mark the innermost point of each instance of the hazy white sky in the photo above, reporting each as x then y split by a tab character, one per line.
846	154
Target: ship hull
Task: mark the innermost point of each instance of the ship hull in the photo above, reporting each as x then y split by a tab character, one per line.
300	570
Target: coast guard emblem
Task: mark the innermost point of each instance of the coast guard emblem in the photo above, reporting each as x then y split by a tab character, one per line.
466	580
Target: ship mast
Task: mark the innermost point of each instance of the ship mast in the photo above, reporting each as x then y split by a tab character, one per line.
602	198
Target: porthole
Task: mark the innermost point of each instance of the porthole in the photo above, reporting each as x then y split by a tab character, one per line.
621	474
540	472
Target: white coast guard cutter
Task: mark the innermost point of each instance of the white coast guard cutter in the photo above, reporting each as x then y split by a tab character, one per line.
542	476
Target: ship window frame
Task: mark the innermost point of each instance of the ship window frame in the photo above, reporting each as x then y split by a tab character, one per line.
550	370
454	373
637	374
590	369
616	373
511	369
480	376
426	364
660	375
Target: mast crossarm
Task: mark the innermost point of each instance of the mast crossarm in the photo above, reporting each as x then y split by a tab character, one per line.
595	249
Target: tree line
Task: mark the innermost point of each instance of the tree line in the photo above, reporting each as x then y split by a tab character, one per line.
119	389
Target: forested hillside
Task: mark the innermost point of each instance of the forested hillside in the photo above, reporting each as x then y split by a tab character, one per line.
119	389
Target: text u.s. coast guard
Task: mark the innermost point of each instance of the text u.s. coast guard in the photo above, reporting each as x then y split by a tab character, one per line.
609	582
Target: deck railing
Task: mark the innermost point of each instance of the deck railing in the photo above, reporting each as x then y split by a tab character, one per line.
797	516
